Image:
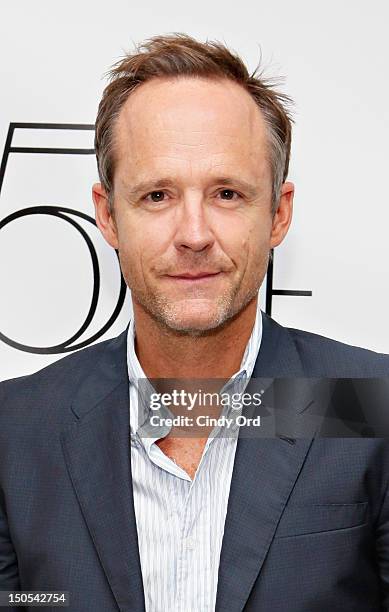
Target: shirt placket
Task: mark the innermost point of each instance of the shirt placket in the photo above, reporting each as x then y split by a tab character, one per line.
193	554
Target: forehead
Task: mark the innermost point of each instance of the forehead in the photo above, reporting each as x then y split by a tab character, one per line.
189	119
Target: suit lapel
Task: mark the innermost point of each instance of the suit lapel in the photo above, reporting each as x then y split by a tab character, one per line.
97	453
265	471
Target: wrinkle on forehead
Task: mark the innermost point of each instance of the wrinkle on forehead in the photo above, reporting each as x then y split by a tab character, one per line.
197	107
190	119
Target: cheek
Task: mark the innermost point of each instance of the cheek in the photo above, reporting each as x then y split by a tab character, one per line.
254	250
142	241
244	240
232	233
257	242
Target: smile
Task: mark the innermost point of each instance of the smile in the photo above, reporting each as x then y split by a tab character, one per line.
195	278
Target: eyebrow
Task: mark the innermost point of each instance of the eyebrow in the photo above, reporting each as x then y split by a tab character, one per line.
147	186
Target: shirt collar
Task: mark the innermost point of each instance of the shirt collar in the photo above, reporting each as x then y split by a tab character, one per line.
238	381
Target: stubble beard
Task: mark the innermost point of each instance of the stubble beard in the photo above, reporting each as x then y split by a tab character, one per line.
168	313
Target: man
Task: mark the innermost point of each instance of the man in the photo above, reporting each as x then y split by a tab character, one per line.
193	158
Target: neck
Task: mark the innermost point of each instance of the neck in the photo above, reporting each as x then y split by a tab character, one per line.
164	353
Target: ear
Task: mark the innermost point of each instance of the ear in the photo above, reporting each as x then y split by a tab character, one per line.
104	215
283	215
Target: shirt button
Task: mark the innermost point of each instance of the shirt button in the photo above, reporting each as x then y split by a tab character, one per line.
190	543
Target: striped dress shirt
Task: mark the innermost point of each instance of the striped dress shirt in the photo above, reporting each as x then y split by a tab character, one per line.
180	521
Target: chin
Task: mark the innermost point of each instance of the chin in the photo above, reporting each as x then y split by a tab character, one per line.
194	321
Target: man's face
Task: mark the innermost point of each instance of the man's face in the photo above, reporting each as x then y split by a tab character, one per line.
192	207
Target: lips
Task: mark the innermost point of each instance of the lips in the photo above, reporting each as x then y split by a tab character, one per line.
194	278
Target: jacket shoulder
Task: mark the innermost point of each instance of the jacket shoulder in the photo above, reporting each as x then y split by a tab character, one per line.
322	356
57	381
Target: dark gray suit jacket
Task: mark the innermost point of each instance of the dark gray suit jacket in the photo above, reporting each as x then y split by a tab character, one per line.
307	526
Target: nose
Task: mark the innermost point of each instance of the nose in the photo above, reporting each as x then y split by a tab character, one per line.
193	229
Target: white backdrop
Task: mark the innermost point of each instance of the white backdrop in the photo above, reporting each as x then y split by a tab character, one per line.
334	59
